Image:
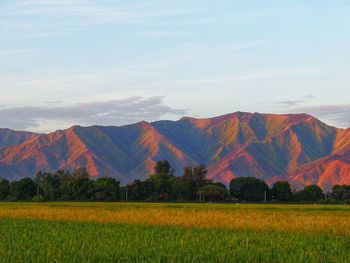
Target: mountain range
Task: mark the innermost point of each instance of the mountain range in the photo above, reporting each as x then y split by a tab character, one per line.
294	147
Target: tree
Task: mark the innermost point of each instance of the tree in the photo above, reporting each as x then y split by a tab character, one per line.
282	192
163	167
195	178
249	189
161	185
341	193
139	191
77	186
107	189
311	193
4	189
81	171
179	189
213	192
161	181
24	189
50	184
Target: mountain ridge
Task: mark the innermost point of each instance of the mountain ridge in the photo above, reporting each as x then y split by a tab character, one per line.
294	147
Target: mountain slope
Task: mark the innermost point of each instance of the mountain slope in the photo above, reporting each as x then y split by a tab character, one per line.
123	152
330	170
294	147
11	138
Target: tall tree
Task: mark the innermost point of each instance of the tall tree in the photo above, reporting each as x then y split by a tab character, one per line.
161	180
341	193
24	189
107	189
4	189
179	189
213	192
311	193
49	184
139	191
163	167
282	192
249	189
195	178
81	171
77	186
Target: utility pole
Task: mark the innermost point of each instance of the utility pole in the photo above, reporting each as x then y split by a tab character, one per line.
265	196
126	193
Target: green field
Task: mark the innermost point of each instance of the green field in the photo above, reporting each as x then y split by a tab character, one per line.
134	232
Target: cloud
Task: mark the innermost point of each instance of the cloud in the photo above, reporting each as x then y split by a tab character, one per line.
338	115
51	102
309	97
54	18
296	102
112	112
291	103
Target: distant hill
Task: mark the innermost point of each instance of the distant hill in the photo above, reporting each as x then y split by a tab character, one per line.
294	147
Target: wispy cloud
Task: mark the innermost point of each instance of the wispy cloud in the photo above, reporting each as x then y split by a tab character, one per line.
51	18
338	115
309	97
296	102
291	103
113	112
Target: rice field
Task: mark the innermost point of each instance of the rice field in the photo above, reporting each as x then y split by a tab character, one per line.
137	232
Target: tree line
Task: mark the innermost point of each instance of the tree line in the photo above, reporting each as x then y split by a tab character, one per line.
61	186
162	186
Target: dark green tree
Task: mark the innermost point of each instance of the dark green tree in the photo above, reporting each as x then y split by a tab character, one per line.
179	189
4	189
249	189
139	191
24	189
77	186
282	192
81	171
162	186
163	167
311	193
195	178
161	181
107	189
49	185
341	193
213	192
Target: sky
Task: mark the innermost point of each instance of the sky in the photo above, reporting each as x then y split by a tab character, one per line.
115	62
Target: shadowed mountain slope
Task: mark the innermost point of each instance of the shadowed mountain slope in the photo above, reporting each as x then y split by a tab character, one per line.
11	138
294	147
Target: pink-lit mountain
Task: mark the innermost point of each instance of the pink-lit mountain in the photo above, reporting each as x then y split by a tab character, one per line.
294	147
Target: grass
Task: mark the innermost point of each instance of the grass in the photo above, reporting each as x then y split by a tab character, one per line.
134	232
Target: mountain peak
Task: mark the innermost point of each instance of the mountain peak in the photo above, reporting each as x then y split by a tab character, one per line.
294	147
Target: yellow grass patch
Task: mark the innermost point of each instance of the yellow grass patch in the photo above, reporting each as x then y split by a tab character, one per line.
289	220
